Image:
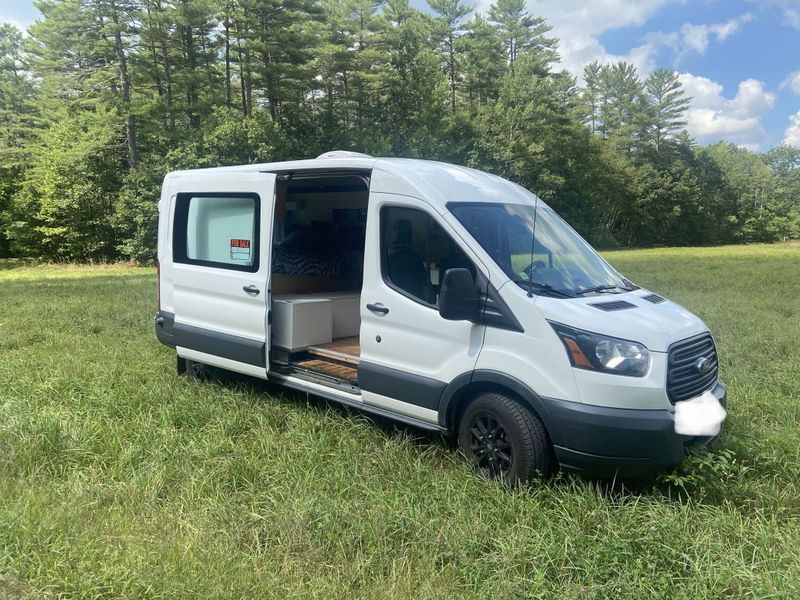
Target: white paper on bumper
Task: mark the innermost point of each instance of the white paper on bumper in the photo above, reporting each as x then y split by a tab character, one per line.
701	416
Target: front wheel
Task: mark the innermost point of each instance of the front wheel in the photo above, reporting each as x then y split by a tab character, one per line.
504	440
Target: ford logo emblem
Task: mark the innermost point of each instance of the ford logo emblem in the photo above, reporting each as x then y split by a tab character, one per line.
703	365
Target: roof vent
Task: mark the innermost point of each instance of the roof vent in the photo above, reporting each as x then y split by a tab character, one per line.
654	298
617	305
343	154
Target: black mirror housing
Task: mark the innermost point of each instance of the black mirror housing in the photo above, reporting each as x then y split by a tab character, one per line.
458	298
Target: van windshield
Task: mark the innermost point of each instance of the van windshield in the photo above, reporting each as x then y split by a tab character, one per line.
558	262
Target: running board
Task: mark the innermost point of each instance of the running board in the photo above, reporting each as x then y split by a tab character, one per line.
351	400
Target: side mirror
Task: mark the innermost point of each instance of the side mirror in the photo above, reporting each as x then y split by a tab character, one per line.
458	298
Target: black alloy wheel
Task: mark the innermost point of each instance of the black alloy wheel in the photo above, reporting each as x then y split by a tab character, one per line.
505	440
490	447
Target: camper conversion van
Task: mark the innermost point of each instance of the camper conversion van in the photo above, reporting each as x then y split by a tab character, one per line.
436	295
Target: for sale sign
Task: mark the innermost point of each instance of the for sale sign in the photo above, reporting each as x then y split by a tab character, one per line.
240	250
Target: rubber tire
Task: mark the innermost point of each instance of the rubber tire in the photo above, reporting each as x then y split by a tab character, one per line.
532	455
198	372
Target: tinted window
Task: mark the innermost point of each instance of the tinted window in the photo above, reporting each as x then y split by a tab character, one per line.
217	230
415	253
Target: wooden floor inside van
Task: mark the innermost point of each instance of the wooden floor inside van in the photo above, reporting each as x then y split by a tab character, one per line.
346	350
338	359
333	369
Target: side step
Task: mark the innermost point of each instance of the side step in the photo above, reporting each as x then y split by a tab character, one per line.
340	371
349	399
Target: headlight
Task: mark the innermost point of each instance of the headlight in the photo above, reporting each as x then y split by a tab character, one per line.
595	352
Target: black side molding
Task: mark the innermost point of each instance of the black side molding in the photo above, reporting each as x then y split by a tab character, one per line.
406	387
251	352
496	312
485	378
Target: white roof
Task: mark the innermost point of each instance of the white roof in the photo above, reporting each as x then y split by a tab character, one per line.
436	182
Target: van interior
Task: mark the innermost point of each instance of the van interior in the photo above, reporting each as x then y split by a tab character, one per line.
318	241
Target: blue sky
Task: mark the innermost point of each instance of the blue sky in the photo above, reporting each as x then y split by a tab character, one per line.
738	59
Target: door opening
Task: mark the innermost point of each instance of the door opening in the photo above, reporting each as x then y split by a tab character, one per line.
319	233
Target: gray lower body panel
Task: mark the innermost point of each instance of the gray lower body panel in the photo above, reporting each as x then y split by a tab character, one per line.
251	352
607	442
407	387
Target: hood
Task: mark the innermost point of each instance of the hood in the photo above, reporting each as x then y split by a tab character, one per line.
656	325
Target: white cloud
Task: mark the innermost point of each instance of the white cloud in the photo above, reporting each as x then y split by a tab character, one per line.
723	31
790	9
792	82
792	17
713	117
579	23
698	37
693	38
792	136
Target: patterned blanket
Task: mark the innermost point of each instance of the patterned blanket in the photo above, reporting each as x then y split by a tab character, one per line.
306	262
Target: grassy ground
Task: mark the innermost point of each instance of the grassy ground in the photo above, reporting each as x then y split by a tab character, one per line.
120	479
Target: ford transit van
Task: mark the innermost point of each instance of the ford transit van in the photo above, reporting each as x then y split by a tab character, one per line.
437	295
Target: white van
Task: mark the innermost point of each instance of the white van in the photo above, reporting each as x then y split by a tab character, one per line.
437	295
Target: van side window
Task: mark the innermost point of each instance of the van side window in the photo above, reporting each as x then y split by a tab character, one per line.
416	252
217	230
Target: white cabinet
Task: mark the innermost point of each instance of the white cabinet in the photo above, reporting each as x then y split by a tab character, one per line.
299	322
346	314
303	320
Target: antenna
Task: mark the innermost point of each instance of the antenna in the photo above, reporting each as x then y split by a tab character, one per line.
533	243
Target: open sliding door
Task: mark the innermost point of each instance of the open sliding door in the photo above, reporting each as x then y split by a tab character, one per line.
221	247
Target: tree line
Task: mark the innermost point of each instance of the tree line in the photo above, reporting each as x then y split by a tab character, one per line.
102	97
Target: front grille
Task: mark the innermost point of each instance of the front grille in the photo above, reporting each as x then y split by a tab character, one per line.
684	379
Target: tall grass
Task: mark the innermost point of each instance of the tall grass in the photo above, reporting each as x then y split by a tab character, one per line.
119	479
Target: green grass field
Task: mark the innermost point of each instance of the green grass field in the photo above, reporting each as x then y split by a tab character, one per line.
119	479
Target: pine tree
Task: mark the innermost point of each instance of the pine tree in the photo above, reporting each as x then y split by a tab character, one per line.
592	94
450	16
17	121
156	35
196	76
414	90
668	105
522	32
621	110
484	61
282	42
82	47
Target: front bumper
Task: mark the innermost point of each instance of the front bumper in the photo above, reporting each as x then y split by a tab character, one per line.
617	442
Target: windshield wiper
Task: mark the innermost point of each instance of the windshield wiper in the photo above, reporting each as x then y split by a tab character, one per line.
543	287
601	288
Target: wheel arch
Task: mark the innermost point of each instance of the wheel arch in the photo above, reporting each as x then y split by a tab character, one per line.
459	392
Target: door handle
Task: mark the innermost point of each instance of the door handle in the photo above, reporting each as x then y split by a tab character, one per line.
251	289
378	308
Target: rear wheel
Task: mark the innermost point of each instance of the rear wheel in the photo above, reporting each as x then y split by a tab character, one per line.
198	372
504	440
